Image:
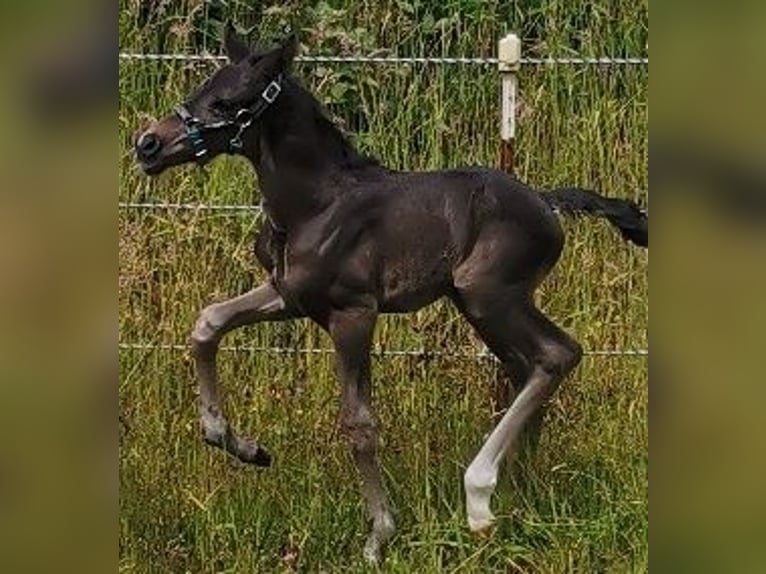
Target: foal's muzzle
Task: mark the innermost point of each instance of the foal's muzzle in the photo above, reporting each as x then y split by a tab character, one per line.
148	146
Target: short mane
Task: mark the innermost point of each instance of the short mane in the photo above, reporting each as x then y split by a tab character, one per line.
341	150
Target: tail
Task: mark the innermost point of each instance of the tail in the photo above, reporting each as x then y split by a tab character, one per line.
629	219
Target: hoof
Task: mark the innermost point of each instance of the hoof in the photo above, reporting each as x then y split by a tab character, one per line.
255	455
247	451
382	532
372	553
479	485
482	527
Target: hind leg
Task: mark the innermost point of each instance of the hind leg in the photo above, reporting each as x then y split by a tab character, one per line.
522	337
509	381
512	373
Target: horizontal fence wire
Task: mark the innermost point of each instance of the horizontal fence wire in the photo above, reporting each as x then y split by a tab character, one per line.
256	209
251	209
235	208
224	208
575	61
416	353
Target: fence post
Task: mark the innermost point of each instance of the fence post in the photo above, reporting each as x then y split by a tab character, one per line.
509	62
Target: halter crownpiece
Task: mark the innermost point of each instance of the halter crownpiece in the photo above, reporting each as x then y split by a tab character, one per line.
243	119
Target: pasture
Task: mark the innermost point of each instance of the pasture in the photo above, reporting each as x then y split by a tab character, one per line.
582	504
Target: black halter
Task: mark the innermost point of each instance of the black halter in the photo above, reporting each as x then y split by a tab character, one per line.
243	119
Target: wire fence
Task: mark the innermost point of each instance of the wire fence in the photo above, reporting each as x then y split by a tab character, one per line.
393	60
414	353
256	210
195	207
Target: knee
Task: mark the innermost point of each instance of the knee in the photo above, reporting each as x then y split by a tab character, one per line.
205	332
573	355
562	357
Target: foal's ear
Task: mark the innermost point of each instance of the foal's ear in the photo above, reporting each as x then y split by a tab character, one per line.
236	49
287	51
275	61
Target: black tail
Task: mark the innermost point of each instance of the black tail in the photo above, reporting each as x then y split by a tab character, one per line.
631	221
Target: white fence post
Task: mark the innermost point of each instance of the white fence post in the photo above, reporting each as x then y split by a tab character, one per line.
509	62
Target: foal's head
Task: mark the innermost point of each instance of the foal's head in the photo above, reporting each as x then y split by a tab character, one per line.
216	116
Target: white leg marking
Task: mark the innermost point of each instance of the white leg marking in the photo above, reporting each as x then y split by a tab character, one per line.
383	529
479	481
481	476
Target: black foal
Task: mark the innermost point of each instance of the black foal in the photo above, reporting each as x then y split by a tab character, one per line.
349	239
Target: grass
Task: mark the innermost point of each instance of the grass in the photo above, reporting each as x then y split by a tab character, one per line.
581	506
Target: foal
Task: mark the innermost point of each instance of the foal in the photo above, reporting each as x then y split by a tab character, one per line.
350	239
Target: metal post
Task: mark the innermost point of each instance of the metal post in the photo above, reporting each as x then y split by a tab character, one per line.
509	62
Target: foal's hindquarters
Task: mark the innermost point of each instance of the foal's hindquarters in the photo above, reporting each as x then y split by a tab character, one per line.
510	249
494	287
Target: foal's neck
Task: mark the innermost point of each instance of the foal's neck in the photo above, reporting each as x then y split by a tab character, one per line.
295	150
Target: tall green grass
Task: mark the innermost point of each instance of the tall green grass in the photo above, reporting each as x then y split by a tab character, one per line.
581	506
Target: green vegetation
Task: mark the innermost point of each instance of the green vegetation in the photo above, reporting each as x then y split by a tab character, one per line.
582	504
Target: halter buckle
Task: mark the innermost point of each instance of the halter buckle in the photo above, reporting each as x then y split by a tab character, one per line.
272	91
244	118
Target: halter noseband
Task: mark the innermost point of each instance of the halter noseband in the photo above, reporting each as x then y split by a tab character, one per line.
244	118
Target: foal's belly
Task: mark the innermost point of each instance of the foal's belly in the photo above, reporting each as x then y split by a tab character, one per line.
415	255
409	301
413	279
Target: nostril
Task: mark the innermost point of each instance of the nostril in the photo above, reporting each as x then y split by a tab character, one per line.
148	145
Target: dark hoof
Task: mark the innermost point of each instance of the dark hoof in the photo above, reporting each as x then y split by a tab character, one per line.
254	454
249	452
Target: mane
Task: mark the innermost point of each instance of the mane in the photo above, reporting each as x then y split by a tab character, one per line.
341	151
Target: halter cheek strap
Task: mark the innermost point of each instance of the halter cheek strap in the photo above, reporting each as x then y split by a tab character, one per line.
244	118
194	129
